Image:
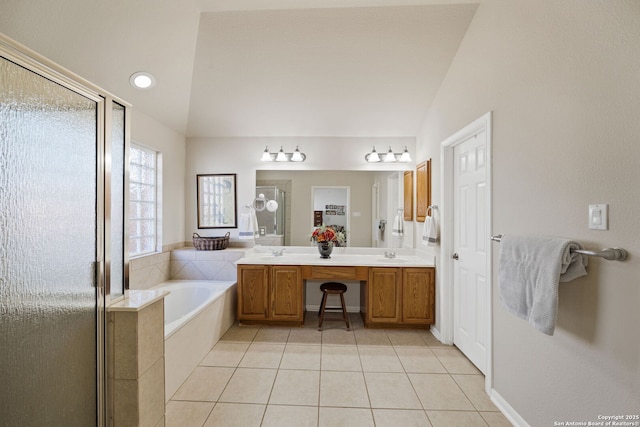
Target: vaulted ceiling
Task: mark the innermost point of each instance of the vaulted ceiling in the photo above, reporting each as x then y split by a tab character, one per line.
256	67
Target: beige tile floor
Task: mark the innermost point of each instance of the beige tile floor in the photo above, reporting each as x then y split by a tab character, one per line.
275	376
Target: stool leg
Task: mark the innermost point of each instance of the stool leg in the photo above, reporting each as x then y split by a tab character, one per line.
324	296
344	310
322	307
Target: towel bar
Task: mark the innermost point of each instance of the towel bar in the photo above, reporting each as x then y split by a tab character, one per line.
611	254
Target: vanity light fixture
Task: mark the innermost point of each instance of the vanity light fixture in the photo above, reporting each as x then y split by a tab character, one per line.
405	157
281	156
266	156
142	80
372	157
389	157
297	156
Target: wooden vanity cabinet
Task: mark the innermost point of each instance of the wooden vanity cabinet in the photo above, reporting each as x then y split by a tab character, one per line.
418	296
287	298
408	195
400	296
389	296
253	292
423	189
270	294
384	295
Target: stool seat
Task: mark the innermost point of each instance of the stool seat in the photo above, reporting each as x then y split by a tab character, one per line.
334	288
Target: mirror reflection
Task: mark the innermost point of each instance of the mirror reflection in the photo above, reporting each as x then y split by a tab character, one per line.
270	212
374	199
331	207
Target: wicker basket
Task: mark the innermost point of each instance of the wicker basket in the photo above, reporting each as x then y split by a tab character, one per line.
210	243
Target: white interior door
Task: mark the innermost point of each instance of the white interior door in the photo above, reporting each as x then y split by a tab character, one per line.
470	247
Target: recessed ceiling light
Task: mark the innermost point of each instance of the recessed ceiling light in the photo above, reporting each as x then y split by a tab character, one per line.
142	80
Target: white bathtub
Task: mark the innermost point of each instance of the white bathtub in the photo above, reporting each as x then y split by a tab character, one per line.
197	314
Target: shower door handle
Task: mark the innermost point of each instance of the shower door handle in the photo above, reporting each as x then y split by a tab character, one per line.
97	274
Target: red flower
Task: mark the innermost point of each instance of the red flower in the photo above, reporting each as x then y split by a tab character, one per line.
326	234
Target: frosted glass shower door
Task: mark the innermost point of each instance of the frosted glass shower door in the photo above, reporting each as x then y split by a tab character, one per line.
48	241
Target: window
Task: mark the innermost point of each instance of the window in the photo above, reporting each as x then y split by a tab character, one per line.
143	201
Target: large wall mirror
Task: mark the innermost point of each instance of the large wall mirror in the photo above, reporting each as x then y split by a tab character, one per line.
374	196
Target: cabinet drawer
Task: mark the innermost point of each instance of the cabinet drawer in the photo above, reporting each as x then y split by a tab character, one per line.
338	273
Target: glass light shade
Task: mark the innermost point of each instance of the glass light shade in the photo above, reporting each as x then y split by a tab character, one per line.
406	158
266	156
373	156
390	157
281	156
296	156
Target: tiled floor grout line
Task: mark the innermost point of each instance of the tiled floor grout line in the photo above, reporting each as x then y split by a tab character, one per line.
366	387
266	405
319	385
360	340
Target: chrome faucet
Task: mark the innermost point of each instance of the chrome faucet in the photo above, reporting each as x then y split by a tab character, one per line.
389	254
276	252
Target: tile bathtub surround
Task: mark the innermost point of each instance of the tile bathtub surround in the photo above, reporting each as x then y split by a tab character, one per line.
183	264
279	376
149	270
135	369
190	264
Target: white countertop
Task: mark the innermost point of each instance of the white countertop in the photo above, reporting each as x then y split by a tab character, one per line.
366	257
138	299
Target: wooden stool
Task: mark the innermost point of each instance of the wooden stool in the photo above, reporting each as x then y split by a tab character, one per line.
336	289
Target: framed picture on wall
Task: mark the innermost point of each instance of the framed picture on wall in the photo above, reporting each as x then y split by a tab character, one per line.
217	201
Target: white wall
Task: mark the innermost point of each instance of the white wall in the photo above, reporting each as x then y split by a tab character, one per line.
242	157
148	132
562	78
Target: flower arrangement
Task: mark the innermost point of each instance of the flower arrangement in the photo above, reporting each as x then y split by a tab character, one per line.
326	233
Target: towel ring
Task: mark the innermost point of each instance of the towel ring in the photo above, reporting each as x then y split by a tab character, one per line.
260	203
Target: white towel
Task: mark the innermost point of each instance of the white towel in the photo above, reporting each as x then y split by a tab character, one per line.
247	225
430	232
374	230
398	225
529	270
254	223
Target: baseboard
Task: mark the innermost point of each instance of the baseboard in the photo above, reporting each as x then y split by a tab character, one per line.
436	333
506	409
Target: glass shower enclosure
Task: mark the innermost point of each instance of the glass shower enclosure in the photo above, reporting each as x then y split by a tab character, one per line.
271	217
62	256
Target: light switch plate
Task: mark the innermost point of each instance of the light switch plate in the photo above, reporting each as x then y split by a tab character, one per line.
599	217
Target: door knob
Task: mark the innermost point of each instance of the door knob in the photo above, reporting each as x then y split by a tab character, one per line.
455	256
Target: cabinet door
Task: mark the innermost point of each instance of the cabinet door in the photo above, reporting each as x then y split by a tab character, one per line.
286	293
253	295
407	189
423	189
418	295
384	296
